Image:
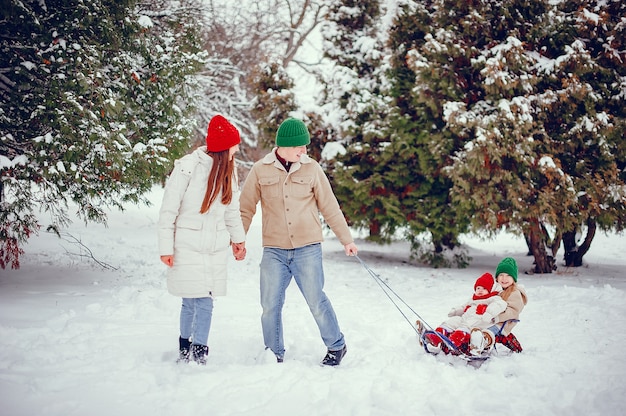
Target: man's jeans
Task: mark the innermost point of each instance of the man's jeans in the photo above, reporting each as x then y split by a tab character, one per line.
304	264
195	319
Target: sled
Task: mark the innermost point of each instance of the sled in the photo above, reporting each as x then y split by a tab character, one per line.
447	346
510	341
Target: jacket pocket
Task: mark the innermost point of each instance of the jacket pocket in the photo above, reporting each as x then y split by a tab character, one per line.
222	238
301	185
189	224
270	187
188	235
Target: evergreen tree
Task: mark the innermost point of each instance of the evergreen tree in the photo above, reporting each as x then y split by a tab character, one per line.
533	107
356	102
94	100
274	100
418	99
388	181
583	97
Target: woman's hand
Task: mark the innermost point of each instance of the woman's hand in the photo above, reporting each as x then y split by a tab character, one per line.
168	260
239	250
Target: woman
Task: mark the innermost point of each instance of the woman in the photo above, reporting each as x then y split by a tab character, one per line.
199	218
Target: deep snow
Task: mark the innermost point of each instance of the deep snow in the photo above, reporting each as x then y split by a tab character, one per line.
78	339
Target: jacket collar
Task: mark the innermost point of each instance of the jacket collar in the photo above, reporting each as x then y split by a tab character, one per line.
202	156
271	159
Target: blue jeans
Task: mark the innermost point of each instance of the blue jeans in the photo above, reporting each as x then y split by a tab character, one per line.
304	264
195	319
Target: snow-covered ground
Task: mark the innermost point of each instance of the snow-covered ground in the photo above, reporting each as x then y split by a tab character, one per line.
78	339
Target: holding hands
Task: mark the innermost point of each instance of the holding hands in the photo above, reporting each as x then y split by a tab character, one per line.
239	250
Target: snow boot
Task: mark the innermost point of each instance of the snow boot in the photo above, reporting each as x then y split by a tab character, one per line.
461	340
419	325
510	341
183	350
199	353
334	358
480	341
433	342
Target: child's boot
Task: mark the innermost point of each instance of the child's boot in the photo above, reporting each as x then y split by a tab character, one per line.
433	342
510	341
461	340
480	341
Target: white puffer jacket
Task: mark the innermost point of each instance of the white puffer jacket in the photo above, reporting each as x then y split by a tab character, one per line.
199	242
469	316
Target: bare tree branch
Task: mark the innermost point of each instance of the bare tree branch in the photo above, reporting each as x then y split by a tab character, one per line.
85	252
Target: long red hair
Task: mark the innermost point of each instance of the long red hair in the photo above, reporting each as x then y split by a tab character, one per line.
220	180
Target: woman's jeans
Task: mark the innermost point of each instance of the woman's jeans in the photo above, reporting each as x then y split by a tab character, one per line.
195	319
304	264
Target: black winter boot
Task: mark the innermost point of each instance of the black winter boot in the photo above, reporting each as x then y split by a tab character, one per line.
183	350
334	358
199	353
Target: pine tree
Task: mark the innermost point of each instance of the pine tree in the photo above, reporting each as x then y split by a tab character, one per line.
274	100
583	95
528	113
417	107
357	102
93	110
387	180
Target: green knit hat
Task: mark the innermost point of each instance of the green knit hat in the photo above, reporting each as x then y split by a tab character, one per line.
292	133
508	266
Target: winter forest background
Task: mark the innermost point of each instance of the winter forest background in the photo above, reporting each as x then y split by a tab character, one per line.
433	119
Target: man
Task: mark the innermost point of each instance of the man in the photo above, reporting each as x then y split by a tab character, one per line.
293	190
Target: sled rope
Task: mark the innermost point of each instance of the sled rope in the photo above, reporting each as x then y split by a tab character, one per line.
393	296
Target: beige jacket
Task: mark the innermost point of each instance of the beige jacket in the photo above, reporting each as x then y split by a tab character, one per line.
516	299
291	203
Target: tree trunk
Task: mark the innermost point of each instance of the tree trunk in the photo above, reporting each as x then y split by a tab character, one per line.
573	253
374	229
447	241
543	262
527	238
552	244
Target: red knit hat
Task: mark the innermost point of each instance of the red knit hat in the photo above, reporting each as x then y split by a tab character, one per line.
487	281
221	135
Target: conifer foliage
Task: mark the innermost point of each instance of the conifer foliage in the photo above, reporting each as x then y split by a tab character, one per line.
531	94
388	181
94	101
502	115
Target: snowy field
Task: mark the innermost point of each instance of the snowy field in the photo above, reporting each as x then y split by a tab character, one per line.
78	339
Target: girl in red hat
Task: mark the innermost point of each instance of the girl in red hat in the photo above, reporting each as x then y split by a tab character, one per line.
198	220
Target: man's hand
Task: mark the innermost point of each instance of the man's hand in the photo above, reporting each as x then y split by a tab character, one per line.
239	250
350	249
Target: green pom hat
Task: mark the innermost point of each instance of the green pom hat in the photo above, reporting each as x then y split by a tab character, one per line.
508	266
292	133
